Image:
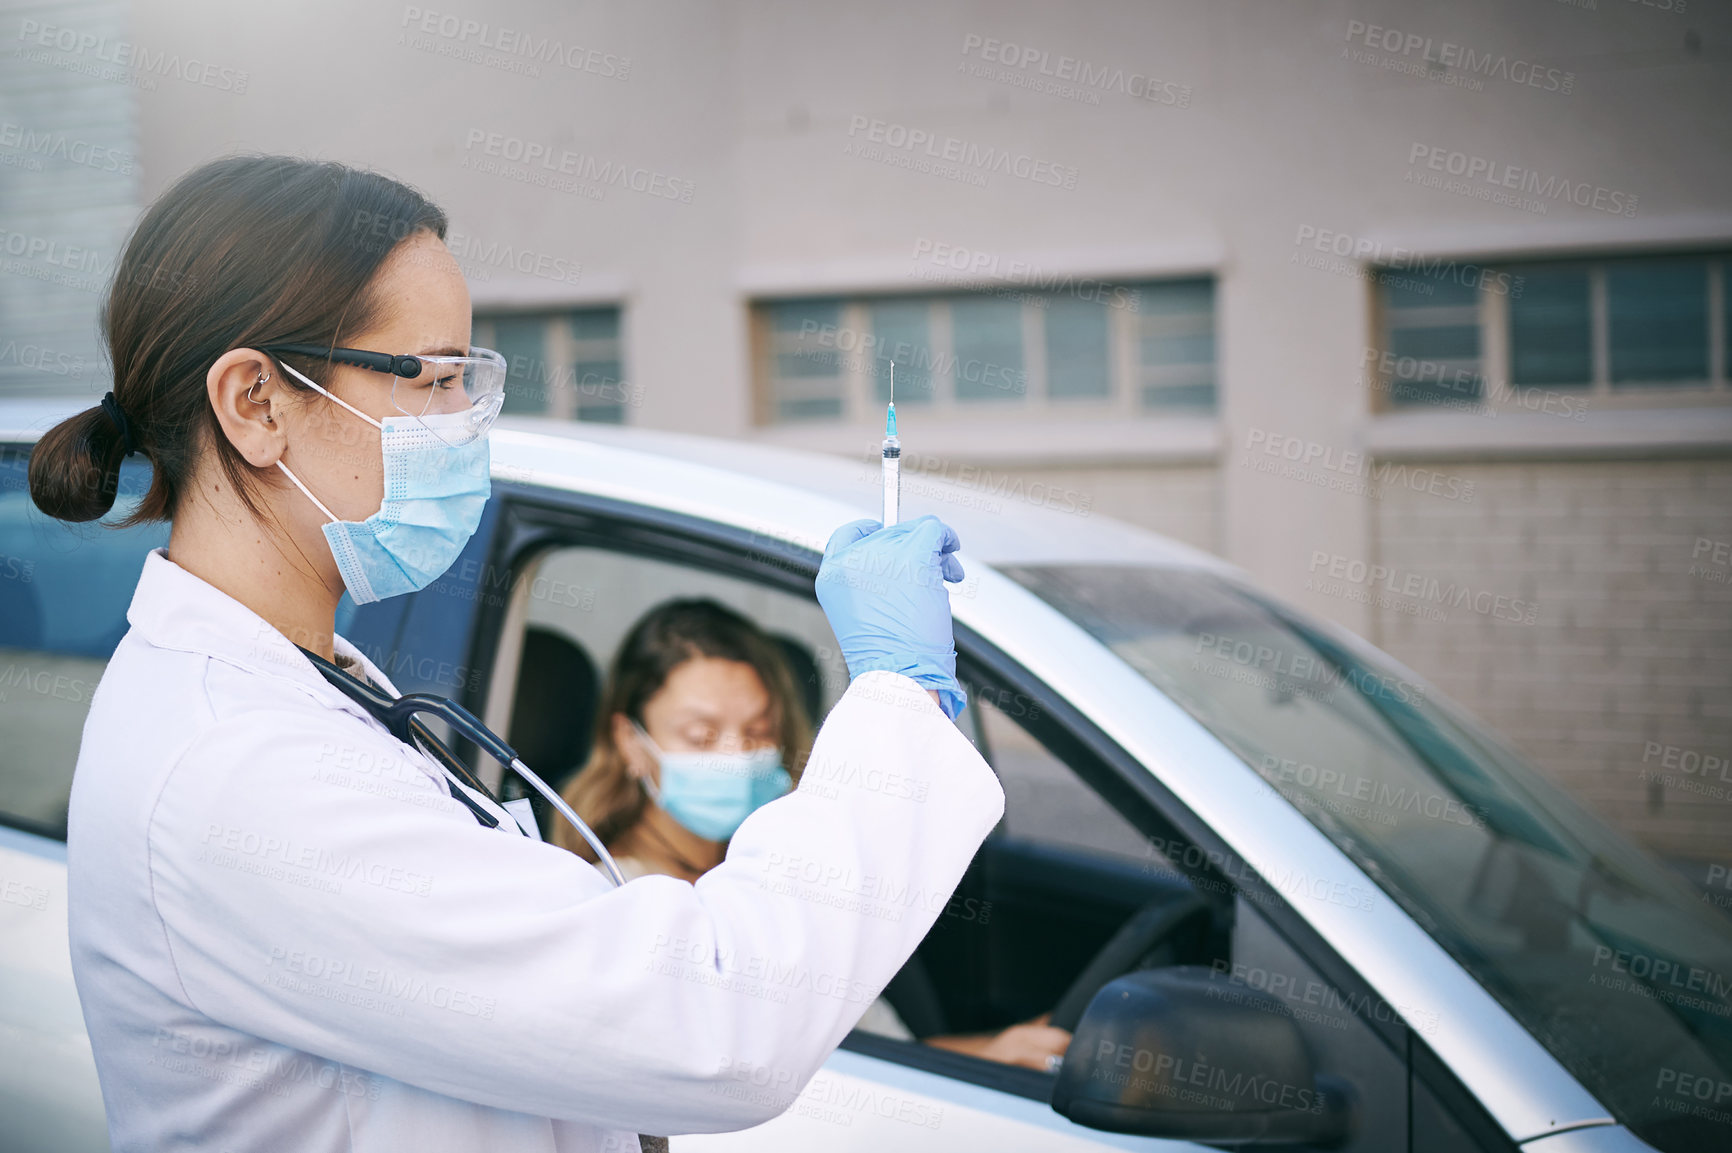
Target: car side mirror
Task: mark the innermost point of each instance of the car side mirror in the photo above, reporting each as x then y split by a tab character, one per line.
1161	1053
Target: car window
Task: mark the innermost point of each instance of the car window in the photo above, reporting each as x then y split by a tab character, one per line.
1044	801
64	591
572	606
595	595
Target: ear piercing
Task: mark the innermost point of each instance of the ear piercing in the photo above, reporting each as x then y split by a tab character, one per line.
263	377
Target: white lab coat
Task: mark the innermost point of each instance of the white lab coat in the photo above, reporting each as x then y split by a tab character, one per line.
287	935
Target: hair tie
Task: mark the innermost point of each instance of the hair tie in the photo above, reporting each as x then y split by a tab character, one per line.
115	413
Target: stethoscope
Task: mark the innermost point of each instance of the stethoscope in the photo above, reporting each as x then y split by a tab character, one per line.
400	717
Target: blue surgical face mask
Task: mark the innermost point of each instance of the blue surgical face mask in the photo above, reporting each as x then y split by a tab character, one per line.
713	793
434	495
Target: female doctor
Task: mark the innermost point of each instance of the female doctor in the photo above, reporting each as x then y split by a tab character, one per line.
289	929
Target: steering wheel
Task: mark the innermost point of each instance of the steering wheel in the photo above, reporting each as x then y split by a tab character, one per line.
1147	928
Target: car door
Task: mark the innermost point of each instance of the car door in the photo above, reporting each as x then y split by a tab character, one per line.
1088	840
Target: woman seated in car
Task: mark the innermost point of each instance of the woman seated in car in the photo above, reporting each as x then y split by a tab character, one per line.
699	724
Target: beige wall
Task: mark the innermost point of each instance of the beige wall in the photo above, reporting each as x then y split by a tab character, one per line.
1289	123
1179	502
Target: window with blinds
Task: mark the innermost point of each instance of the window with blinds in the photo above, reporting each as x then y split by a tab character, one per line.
69	195
565	364
1630	329
1144	349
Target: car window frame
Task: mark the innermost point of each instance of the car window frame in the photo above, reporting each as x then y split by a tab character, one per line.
535	518
535	521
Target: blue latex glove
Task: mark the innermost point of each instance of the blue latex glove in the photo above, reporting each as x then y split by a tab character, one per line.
883	591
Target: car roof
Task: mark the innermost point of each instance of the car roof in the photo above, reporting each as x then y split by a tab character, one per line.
1001	518
794	495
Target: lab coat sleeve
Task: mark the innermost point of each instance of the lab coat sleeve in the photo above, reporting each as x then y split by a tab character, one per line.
313	897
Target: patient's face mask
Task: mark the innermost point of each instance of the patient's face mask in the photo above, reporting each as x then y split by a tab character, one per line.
435	490
713	793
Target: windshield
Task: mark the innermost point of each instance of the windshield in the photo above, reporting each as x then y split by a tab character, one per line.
1603	954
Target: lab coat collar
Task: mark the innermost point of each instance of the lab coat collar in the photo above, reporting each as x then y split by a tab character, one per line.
173	609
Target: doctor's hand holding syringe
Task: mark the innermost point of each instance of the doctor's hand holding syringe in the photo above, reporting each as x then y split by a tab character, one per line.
895	625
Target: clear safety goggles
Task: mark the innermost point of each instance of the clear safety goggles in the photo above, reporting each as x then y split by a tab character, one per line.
471	388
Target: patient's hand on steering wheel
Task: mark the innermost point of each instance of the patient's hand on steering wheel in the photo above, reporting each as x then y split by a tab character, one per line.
1029	1044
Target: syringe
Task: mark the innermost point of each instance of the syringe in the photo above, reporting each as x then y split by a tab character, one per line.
892	457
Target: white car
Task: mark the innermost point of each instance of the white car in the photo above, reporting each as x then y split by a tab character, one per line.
1281	891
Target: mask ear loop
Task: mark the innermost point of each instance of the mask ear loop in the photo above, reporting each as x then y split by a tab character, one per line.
329	395
307	492
649	786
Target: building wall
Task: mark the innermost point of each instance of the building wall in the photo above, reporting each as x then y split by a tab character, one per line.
1178	501
1281	154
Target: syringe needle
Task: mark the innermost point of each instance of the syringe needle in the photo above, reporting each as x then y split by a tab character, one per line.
892	459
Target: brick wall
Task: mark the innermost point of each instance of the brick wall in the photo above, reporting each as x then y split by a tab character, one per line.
1621	687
